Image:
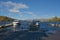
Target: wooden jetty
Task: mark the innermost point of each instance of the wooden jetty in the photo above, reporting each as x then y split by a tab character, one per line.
5	25
14	24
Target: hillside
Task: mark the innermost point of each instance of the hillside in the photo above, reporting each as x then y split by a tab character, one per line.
55	19
4	18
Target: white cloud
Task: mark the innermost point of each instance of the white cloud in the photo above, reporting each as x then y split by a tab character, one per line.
21	6
14	10
32	13
13	6
17	5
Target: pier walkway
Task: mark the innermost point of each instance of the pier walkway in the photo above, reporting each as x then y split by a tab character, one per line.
5	25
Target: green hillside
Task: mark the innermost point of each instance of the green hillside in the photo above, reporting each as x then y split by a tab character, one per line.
4	18
55	19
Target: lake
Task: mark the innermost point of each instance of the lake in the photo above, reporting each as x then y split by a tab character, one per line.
10	34
25	26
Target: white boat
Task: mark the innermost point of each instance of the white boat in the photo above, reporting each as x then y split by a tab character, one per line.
37	23
15	23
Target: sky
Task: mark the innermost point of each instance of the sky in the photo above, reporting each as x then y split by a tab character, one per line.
30	9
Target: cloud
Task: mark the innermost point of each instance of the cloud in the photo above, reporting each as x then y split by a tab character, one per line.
14	10
17	5
31	13
13	6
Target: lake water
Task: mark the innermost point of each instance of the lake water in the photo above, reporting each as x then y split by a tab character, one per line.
25	26
10	34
